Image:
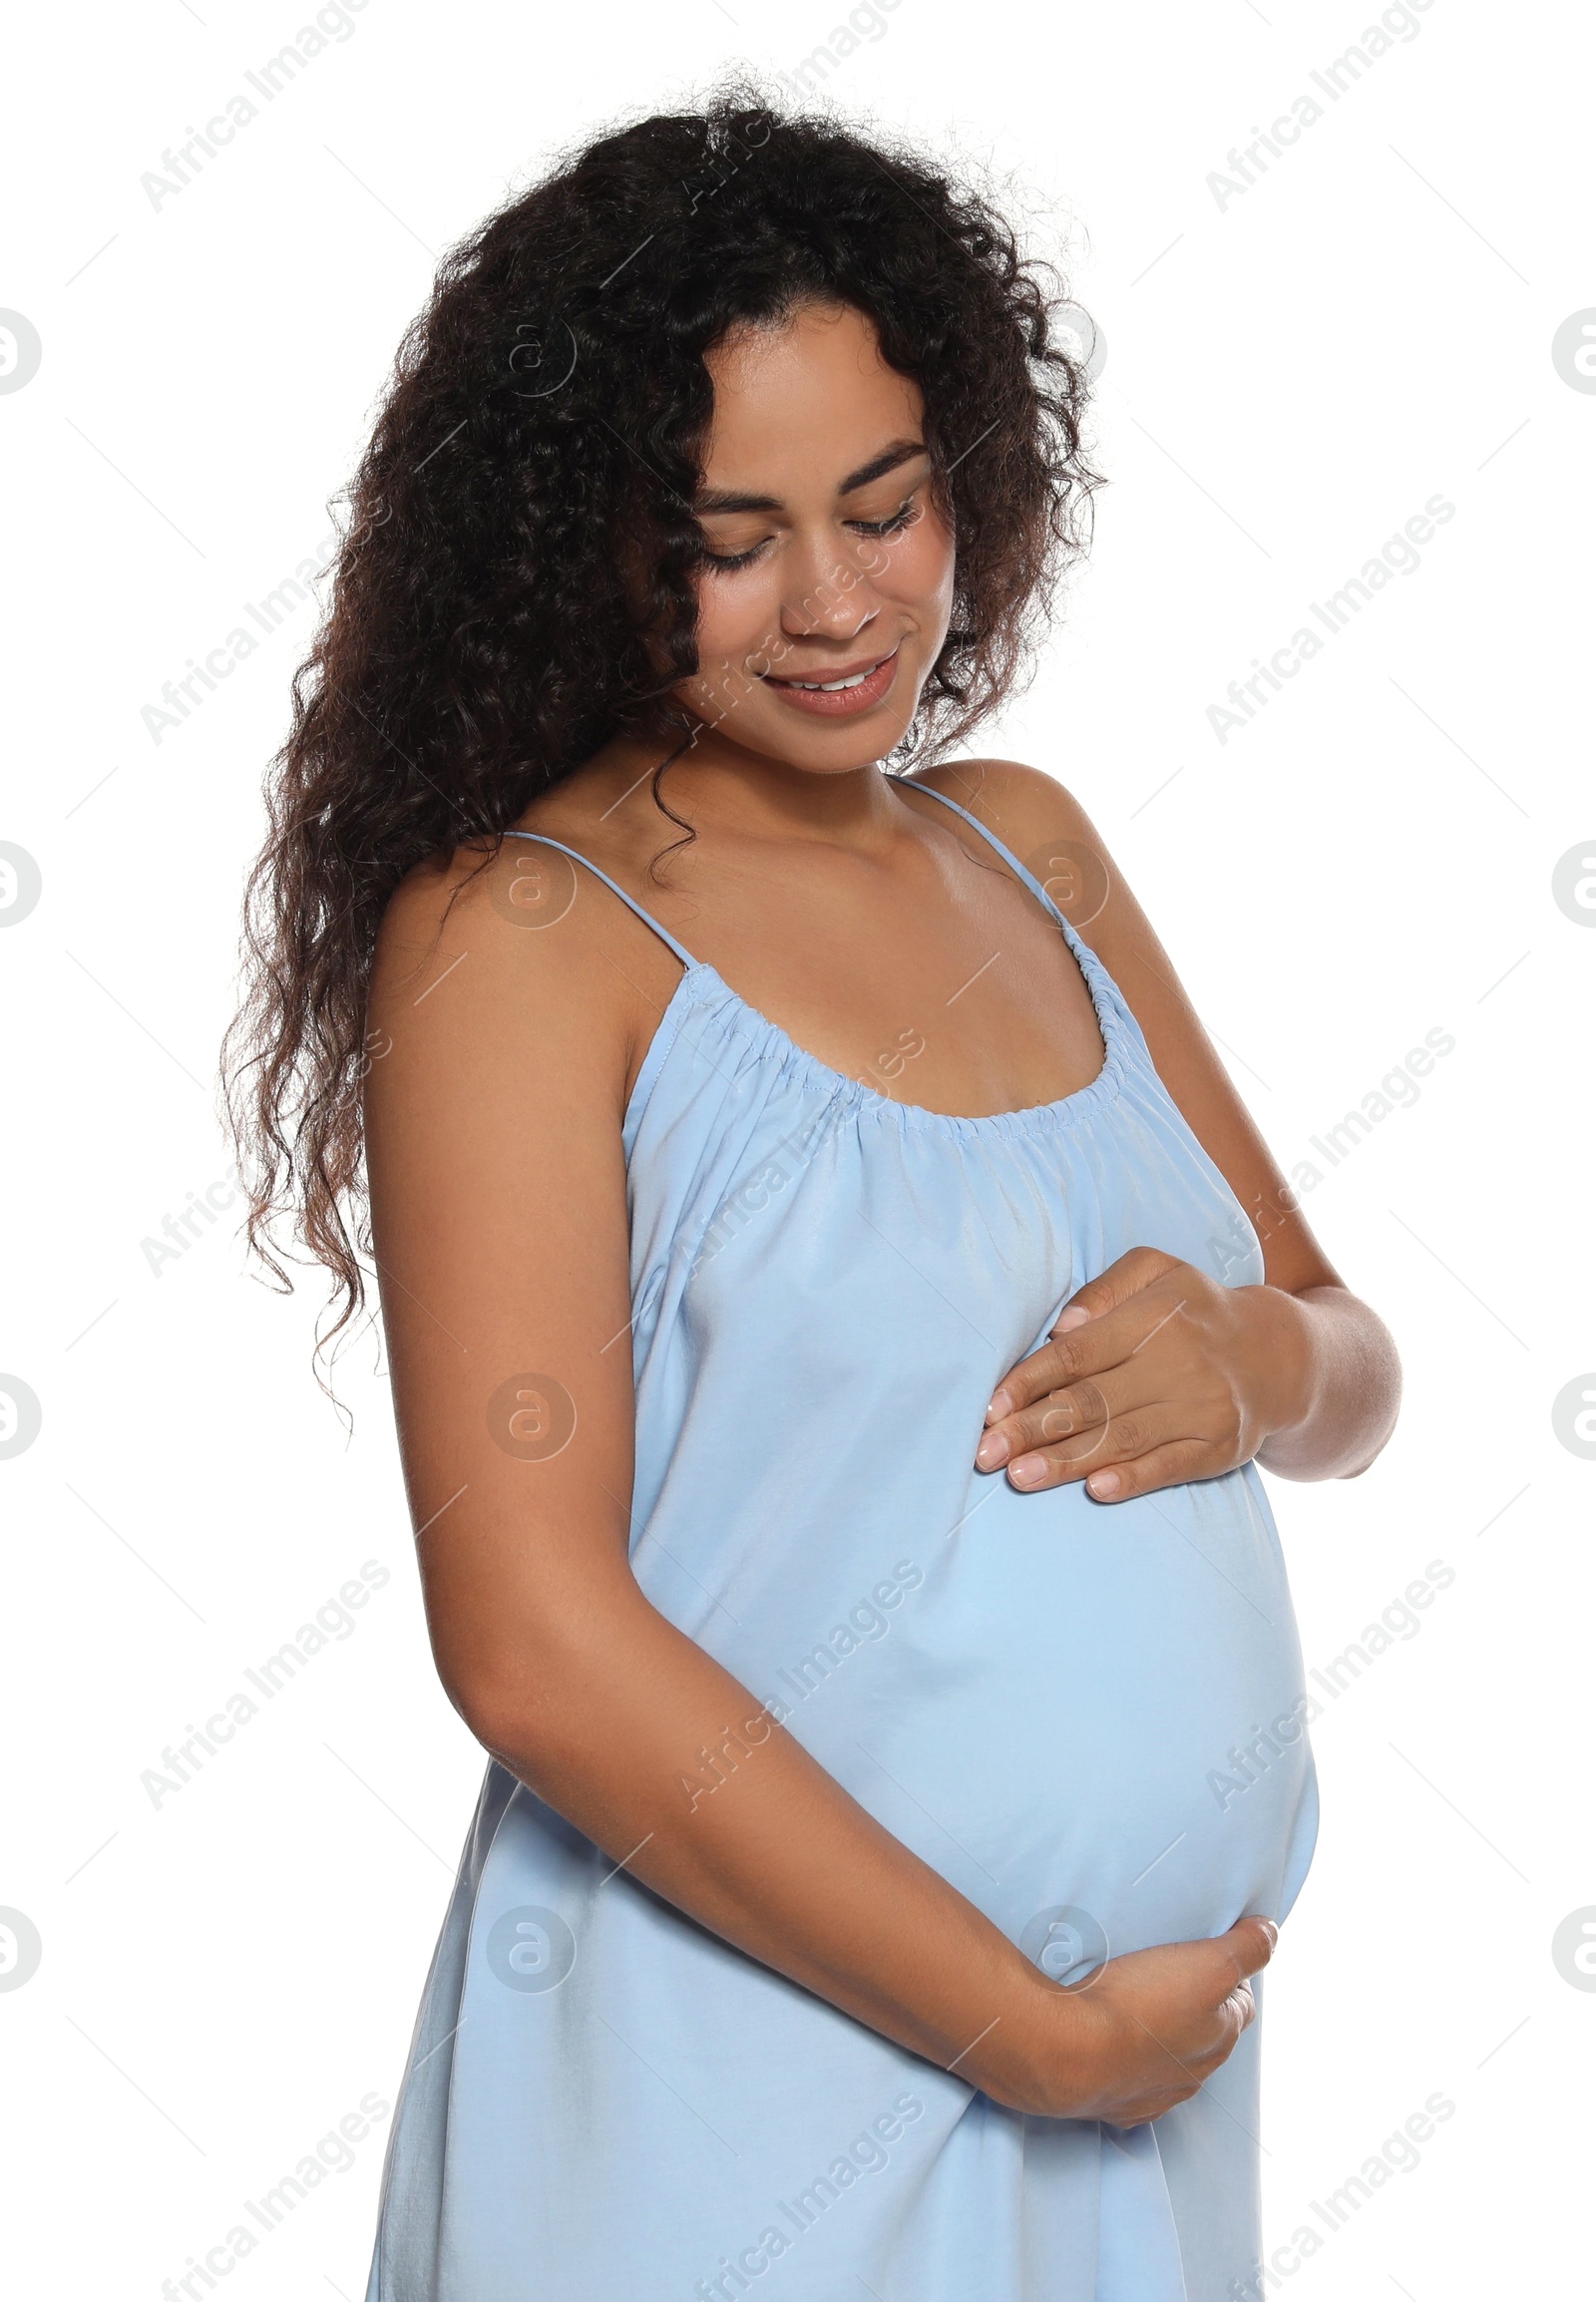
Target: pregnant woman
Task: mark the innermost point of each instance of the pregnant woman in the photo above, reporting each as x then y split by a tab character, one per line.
835	1300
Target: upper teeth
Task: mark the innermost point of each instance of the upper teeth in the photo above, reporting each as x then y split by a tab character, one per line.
830	686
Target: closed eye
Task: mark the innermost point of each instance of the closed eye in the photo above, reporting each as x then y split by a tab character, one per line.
907	512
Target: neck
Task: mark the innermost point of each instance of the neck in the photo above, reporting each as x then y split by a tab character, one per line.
718	786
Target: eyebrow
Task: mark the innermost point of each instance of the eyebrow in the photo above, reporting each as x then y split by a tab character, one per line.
900	452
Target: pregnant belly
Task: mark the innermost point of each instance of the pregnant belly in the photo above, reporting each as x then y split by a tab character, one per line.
1089	1719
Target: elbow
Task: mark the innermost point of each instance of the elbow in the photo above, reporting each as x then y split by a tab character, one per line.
490	1714
1373	1447
526	1672
514	1711
542	1687
536	1696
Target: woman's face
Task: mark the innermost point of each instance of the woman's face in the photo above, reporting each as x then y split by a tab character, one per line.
828	561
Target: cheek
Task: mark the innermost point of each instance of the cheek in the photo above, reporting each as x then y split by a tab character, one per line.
917	570
739	616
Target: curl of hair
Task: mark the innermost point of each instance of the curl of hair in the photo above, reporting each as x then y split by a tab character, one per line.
542	431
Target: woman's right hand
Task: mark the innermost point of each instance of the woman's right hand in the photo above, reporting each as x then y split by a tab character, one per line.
1145	2030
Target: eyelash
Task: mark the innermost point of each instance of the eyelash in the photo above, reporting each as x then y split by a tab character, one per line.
905	511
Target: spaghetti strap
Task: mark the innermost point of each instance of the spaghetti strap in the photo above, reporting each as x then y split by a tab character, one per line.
1010	858
630	902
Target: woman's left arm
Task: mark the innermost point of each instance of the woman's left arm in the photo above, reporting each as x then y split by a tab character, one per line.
1156	1372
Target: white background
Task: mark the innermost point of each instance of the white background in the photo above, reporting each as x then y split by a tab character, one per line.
1289	378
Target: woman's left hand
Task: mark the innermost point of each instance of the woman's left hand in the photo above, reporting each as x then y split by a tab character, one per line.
1154	1374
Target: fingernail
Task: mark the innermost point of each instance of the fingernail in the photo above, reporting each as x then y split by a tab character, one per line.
993	1451
1029	1471
998	1405
1104	1483
1073	1316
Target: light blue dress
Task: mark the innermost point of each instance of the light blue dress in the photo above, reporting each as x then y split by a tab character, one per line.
1088	1719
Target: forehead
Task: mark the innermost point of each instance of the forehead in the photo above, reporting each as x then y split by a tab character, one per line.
809	394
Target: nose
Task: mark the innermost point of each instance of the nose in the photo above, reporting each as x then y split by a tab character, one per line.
832	597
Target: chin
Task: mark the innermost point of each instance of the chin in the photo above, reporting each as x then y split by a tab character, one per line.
825	751
839	756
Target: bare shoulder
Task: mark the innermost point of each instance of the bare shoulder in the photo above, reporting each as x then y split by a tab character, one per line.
497	914
1046	827
488	961
1024	806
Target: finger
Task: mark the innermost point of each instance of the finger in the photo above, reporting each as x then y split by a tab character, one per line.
1126	1276
1109	1458
1250	1944
1063	1414
1088	1349
1231	2017
1174	1464
1241	2008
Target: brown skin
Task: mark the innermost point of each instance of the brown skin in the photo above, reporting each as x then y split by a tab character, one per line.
1157	1373
863	920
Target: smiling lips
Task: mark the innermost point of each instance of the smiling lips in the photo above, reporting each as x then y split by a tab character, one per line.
851	690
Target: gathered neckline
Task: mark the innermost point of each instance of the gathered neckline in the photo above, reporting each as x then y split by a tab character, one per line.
852	1094
702	983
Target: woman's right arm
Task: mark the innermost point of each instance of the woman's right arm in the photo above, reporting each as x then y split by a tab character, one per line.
493	1121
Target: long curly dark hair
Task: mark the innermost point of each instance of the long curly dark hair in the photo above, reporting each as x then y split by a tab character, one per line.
545	410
